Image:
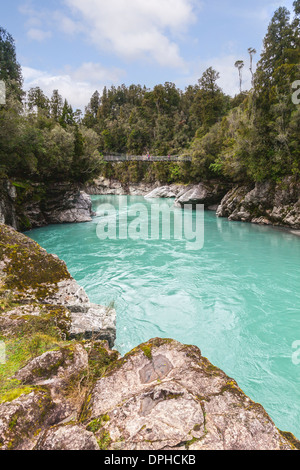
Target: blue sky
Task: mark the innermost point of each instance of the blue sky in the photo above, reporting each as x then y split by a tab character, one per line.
79	46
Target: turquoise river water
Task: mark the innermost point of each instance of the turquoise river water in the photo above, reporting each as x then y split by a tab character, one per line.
237	299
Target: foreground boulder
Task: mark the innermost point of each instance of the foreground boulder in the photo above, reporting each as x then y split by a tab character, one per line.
161	396
165	396
67	437
49	397
22	418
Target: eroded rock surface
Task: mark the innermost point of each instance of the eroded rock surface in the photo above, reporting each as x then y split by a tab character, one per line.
208	194
8	197
165	395
265	203
161	396
22	418
167	192
37	284
71	207
67	438
51	393
102	186
28	205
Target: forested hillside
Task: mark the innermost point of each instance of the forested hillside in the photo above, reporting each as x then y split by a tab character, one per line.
253	136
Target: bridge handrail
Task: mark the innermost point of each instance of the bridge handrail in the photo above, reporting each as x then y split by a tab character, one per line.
153	158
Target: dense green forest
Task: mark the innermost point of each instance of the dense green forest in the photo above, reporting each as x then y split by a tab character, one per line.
251	137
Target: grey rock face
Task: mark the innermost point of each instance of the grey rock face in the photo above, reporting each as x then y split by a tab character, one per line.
55	368
102	186
7	204
93	321
165	395
161	396
266	203
67	438
44	281
63	203
29	409
167	192
53	389
74	207
208	194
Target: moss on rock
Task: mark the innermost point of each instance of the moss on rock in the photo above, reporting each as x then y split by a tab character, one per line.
26	267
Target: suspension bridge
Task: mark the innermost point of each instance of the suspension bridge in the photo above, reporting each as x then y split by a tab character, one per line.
146	158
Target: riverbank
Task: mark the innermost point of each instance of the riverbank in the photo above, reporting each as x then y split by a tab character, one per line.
266	203
25	205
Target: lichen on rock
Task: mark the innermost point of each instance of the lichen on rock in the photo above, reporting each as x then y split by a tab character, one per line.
63	388
32	276
176	399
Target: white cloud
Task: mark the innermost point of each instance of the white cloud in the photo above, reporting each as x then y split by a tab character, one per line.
38	34
77	86
135	29
66	24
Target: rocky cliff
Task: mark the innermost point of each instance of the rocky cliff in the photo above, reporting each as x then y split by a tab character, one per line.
63	387
209	193
267	203
8	196
25	206
28	205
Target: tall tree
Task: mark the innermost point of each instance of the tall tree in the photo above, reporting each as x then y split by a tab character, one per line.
92	110
209	101
37	100
252	52
10	69
278	43
56	105
67	115
240	65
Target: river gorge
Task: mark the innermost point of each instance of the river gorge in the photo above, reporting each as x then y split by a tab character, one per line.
237	298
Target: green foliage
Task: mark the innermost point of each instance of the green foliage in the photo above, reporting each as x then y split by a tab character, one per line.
10	69
254	135
19	351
